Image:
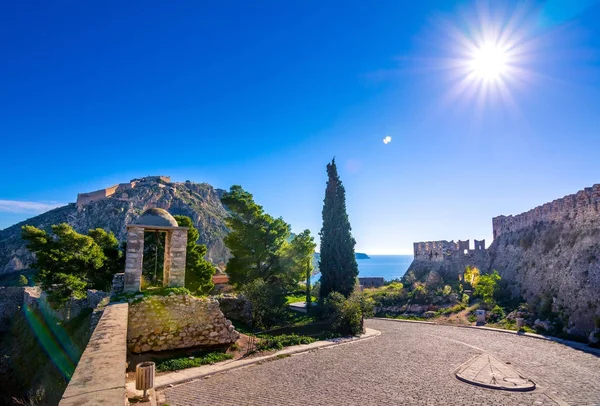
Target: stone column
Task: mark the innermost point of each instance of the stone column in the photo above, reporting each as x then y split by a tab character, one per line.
133	259
177	251
168	258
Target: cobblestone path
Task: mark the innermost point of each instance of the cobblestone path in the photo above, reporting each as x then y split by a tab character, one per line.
408	364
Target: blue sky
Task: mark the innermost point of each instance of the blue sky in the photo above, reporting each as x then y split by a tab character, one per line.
264	95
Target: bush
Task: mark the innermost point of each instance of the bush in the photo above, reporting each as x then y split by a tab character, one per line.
346	315
496	314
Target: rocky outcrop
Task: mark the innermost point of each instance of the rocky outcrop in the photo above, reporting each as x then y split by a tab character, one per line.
200	201
158	323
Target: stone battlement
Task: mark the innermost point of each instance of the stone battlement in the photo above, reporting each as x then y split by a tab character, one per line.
584	203
84	199
445	250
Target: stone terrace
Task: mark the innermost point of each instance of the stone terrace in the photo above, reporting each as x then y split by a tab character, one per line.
409	364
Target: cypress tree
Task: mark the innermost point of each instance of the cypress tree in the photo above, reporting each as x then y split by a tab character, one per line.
338	263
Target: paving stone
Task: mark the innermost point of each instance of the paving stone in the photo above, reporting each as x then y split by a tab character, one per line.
408	364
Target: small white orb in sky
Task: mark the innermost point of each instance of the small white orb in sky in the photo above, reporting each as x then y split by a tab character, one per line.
387	140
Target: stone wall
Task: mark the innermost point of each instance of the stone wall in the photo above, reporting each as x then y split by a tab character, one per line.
579	206
158	323
236	307
445	250
12	299
373	282
99	378
73	307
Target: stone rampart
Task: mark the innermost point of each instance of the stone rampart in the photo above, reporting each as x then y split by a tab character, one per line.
583	204
84	199
99	378
158	323
445	250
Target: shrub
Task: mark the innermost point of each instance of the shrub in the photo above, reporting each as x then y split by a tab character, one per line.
465	299
346	315
496	314
268	302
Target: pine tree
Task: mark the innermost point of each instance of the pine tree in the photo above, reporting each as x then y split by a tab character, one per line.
338	264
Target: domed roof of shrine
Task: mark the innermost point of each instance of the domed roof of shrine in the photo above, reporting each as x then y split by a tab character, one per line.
157	218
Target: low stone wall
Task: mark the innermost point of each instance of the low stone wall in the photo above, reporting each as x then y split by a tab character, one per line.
73	307
99	378
158	323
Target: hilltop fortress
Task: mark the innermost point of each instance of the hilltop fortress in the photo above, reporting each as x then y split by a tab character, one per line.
84	199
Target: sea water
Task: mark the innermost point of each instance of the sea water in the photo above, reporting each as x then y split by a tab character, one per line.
388	267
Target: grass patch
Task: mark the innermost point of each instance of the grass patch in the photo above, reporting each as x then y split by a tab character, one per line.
280	341
176	364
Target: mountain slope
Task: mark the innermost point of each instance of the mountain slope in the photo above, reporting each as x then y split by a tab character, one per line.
200	201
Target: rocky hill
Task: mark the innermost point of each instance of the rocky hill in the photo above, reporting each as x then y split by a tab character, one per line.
199	201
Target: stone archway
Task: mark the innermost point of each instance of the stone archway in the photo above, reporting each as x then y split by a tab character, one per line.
175	249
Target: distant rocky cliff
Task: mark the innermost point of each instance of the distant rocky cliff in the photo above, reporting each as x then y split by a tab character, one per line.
549	254
200	201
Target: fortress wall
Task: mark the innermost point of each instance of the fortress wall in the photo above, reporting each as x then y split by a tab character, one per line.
441	250
584	203
90	197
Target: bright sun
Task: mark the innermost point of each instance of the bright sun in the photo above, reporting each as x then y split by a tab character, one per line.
489	62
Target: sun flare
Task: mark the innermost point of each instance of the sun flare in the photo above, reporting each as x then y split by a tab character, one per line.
487	53
489	62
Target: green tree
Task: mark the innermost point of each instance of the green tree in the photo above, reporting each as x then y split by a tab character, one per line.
23	281
267	261
487	287
296	258
198	271
114	260
338	263
256	240
63	260
154	258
